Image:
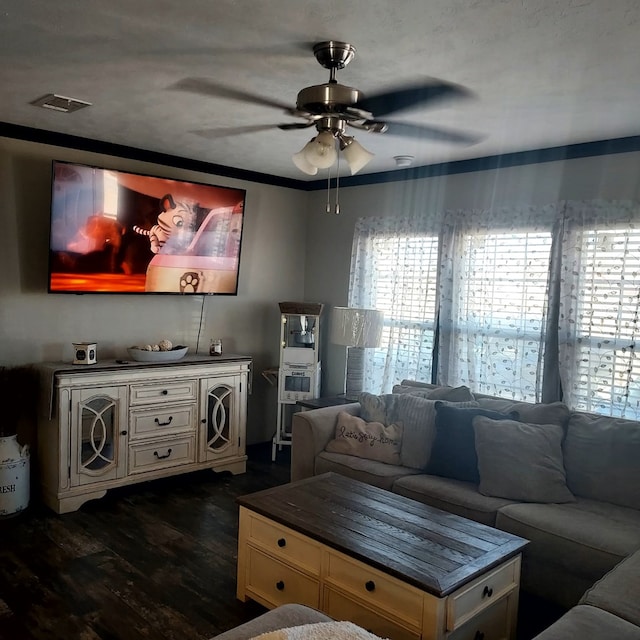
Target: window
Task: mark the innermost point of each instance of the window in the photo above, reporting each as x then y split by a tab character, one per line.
396	262
606	324
498	319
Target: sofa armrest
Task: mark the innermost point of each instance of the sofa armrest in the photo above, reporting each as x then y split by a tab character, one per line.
310	433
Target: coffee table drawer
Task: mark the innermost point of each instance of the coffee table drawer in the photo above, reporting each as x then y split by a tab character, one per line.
273	583
490	624
382	591
285	544
482	593
341	607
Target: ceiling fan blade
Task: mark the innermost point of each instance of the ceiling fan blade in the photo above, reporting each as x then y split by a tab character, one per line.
295	125
203	86
408	96
223	132
418	131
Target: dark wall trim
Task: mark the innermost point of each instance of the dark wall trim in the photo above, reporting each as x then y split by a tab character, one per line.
122	151
535	156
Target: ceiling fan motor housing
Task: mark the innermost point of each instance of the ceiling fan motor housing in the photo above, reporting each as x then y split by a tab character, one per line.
327	98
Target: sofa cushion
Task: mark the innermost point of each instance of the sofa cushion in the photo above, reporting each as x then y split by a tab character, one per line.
585	622
520	461
452	394
454	496
602	459
454	449
586	538
372	472
371	440
619	590
538	413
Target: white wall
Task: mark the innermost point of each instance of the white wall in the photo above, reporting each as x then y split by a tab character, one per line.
329	236
36	326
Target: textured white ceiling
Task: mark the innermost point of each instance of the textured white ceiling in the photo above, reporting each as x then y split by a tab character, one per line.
544	72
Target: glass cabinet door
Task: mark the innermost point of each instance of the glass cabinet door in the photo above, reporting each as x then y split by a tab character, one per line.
96	431
219	435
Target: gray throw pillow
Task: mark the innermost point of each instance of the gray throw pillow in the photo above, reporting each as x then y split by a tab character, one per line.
530	412
521	461
454	449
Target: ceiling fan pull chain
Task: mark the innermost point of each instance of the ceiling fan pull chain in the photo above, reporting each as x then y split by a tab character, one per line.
337	208
329	191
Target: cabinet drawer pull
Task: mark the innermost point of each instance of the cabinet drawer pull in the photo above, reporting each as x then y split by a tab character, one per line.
282	542
157	455
164	424
123	433
479	635
370	585
164	392
487	592
280	585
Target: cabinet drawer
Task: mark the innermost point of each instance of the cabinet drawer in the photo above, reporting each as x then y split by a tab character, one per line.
379	590
490	624
341	607
285	544
162	420
274	583
482	593
167	391
161	454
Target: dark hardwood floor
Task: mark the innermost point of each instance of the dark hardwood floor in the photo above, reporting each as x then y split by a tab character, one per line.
155	560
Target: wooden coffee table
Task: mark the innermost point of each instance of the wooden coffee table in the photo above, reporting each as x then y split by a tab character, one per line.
392	565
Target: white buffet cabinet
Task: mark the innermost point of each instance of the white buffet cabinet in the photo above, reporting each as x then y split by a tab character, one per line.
113	424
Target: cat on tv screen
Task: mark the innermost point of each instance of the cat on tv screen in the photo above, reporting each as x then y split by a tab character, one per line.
118	232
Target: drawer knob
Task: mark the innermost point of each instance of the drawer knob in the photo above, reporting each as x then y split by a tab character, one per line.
157	455
280	585
123	433
370	585
487	592
282	542
479	635
164	424
164	392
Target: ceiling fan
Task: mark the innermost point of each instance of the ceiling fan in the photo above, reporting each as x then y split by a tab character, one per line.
333	107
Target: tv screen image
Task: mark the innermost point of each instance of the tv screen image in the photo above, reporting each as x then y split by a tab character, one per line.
118	232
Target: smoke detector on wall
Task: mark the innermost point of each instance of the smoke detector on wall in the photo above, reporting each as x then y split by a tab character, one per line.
60	103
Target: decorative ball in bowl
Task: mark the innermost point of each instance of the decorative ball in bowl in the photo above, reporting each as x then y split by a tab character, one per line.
144	355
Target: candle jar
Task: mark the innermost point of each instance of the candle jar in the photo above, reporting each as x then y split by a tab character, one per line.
215	347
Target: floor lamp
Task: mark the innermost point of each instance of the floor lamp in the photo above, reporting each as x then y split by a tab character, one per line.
356	329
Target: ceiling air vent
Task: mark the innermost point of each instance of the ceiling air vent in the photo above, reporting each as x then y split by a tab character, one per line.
60	103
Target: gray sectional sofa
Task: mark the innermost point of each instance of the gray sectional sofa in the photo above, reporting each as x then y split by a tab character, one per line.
582	520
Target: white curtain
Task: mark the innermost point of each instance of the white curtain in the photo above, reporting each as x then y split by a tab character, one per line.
598	307
532	303
394	269
493	294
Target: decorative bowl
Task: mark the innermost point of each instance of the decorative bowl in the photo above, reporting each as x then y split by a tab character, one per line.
140	355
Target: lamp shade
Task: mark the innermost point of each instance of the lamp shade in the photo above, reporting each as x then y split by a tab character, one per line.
321	151
356	327
303	164
355	154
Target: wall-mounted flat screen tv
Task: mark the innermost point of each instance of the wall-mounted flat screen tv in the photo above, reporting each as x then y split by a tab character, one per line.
118	232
